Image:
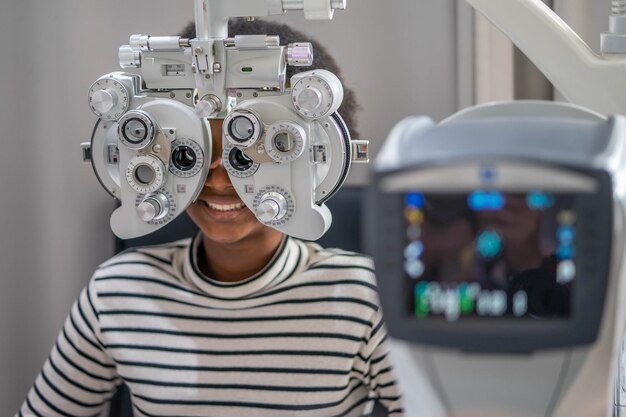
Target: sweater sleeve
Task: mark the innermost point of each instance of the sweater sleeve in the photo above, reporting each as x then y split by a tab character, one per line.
79	377
381	374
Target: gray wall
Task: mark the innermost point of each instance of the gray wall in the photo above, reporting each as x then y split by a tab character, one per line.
54	216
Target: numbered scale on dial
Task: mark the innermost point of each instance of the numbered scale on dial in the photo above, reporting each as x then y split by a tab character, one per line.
284	141
317	95
237	163
157	208
273	205
108	98
187	158
145	174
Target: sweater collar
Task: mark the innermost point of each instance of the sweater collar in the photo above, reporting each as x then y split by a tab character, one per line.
285	262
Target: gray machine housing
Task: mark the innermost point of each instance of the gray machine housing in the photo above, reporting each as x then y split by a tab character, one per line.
523	142
507	366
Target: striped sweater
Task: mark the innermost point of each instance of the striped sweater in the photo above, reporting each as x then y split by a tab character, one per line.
303	337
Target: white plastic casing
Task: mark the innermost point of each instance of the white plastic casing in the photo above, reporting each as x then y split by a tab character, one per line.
295	180
176	123
316	94
318	10
110	96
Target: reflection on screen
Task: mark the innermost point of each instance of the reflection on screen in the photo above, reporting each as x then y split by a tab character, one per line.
489	254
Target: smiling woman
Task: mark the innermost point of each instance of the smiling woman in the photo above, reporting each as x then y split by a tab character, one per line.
230	231
239	320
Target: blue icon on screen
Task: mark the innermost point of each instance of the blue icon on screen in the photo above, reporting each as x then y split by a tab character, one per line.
565	234
414	200
489	244
537	200
414	250
486	200
565	252
414	268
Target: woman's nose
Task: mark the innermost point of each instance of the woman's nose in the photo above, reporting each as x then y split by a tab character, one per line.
216	149
216	162
218	178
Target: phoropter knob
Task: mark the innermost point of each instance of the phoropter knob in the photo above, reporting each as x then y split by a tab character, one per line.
300	54
273	206
310	99
104	100
129	57
153	207
316	94
109	97
208	106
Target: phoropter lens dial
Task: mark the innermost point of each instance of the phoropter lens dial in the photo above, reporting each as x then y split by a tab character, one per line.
239	160
145	174
237	163
187	158
284	141
136	129
184	158
243	128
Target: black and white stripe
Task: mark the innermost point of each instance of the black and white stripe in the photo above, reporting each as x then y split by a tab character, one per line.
303	337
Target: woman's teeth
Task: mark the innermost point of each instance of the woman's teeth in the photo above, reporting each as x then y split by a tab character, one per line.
225	207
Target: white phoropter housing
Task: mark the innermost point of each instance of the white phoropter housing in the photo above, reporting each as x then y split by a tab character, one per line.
148	151
277	153
151	147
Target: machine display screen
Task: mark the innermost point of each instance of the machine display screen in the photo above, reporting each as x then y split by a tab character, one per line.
487	254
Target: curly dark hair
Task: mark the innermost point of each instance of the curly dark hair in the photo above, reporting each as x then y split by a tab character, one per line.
322	58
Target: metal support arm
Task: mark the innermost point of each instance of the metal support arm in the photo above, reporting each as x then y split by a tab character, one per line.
584	78
212	15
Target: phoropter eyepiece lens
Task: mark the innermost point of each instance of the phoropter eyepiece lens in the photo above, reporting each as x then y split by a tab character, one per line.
144	174
184	158
241	128
239	161
283	142
135	130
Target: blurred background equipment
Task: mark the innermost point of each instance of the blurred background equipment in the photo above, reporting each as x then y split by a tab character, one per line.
500	236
